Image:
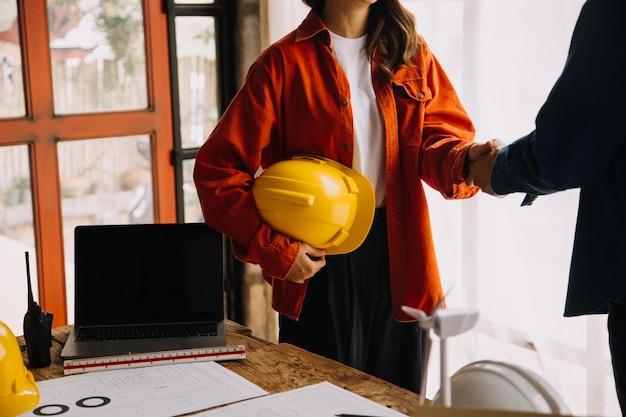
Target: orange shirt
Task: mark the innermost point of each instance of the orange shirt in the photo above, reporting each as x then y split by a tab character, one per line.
296	100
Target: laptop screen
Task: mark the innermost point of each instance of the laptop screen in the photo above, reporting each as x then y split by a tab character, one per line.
148	273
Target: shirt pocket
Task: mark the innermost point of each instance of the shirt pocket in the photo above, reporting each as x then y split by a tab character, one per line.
411	96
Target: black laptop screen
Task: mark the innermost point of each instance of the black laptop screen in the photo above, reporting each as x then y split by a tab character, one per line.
149	273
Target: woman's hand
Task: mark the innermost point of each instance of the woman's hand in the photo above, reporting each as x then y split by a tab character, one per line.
309	261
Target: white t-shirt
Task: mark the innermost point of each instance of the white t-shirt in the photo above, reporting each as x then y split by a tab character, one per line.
369	147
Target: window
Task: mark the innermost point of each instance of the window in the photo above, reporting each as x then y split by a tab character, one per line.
201	63
201	53
96	126
85	128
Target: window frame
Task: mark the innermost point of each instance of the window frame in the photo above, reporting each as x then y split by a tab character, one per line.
41	129
223	11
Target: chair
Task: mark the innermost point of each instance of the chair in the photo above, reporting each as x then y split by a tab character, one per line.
498	385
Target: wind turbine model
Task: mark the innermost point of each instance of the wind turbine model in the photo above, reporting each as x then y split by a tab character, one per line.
445	323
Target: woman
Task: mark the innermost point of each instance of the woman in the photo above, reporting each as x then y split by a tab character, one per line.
354	83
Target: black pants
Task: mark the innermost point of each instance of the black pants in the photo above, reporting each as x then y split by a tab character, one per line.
347	315
617	343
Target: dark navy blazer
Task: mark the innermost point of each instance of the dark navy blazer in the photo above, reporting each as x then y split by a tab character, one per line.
579	141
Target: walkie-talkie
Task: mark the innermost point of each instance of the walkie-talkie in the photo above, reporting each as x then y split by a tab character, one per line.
37	329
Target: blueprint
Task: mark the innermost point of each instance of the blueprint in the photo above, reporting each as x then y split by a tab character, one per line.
318	400
167	390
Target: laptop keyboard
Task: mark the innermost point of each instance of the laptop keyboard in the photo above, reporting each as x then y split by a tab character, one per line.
147	331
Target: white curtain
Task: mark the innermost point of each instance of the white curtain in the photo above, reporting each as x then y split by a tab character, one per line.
509	262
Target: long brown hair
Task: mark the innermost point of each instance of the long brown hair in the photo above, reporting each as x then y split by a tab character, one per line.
392	39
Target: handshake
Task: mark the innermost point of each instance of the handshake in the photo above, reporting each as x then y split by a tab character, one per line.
480	159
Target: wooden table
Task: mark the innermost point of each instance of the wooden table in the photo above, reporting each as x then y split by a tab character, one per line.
275	368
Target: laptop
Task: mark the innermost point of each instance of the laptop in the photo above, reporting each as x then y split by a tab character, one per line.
146	288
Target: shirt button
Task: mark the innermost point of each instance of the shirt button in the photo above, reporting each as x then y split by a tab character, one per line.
346	146
420	96
344	102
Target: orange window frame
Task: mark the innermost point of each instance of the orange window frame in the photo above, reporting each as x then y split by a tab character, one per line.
41	129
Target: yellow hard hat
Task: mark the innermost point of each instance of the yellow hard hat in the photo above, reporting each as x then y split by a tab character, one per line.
18	391
316	200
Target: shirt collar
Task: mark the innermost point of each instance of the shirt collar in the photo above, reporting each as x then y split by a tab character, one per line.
311	26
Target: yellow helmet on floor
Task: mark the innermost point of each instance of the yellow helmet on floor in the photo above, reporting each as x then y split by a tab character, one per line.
316	200
18	391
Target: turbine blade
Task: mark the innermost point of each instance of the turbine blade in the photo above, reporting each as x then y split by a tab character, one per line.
440	302
415	313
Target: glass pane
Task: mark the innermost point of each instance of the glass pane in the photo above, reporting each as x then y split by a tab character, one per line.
103	181
16	235
11	82
98	55
193	212
197	78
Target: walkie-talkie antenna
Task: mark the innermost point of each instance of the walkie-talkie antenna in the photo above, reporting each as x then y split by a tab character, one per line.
37	329
31	299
